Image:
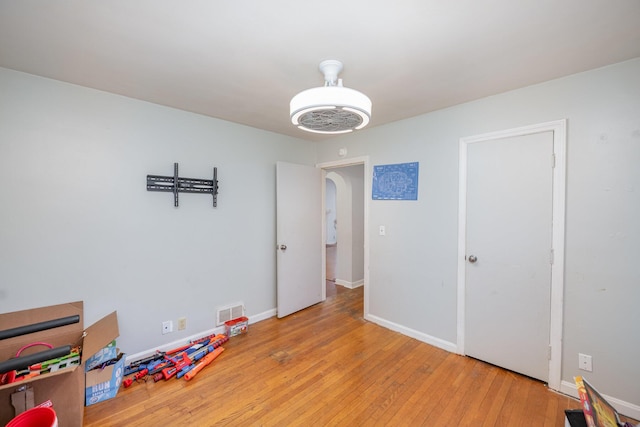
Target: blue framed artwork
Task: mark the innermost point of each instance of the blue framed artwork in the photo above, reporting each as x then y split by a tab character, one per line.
395	182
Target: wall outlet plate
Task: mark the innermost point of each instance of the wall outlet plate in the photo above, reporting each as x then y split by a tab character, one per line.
182	323
585	362
167	327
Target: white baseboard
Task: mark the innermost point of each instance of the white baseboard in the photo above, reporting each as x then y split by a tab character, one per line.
350	285
436	342
625	408
262	316
178	343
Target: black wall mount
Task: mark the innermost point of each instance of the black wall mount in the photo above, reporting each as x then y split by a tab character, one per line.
174	184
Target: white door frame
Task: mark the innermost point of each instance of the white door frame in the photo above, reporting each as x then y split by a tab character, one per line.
363	160
558	223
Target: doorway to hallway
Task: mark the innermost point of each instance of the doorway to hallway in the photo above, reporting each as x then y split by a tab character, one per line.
348	224
344	225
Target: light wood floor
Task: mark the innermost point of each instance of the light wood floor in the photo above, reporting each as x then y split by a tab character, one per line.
326	366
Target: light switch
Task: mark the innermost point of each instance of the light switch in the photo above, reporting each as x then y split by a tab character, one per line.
383	230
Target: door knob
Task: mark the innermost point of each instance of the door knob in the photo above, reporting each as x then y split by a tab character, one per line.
283	247
472	259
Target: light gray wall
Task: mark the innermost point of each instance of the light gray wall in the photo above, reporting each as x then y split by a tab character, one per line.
413	268
330	211
77	223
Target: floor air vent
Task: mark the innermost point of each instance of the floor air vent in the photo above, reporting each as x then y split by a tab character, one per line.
230	312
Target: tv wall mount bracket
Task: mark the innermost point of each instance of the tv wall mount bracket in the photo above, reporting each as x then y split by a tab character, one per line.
174	184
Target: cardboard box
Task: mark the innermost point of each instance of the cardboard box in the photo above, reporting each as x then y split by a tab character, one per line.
103	384
103	356
65	387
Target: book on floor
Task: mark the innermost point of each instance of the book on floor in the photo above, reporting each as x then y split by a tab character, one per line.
597	411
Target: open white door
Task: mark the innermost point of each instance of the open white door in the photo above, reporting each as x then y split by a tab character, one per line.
300	270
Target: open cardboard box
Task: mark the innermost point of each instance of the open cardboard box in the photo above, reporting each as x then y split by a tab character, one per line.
65	388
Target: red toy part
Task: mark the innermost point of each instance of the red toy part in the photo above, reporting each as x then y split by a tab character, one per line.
141	374
8	378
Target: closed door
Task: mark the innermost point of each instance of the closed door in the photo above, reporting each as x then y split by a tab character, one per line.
300	269
509	252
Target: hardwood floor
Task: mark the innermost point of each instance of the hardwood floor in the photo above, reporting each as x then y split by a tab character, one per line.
327	366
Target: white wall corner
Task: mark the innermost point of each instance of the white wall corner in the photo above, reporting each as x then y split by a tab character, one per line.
434	341
350	285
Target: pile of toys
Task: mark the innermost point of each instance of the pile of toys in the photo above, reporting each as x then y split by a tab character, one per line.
21	367
185	361
24	367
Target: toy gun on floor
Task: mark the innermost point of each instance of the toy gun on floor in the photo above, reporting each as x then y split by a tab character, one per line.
176	362
189	354
206	360
194	353
141	364
165	369
210	349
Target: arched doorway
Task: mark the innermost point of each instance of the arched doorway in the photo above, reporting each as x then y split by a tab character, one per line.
344	209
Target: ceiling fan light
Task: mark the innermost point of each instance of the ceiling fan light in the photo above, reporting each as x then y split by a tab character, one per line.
332	132
365	118
330	109
304	108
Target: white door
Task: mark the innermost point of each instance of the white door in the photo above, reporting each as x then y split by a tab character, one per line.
508	252
300	273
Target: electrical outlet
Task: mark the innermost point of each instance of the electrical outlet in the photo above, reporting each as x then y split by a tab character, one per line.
167	327
585	362
182	323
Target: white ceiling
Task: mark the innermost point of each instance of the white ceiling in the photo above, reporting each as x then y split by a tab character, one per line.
243	60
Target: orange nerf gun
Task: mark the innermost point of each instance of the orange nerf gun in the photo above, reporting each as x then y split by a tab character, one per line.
204	362
180	363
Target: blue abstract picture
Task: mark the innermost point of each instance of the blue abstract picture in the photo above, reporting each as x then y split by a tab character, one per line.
395	182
